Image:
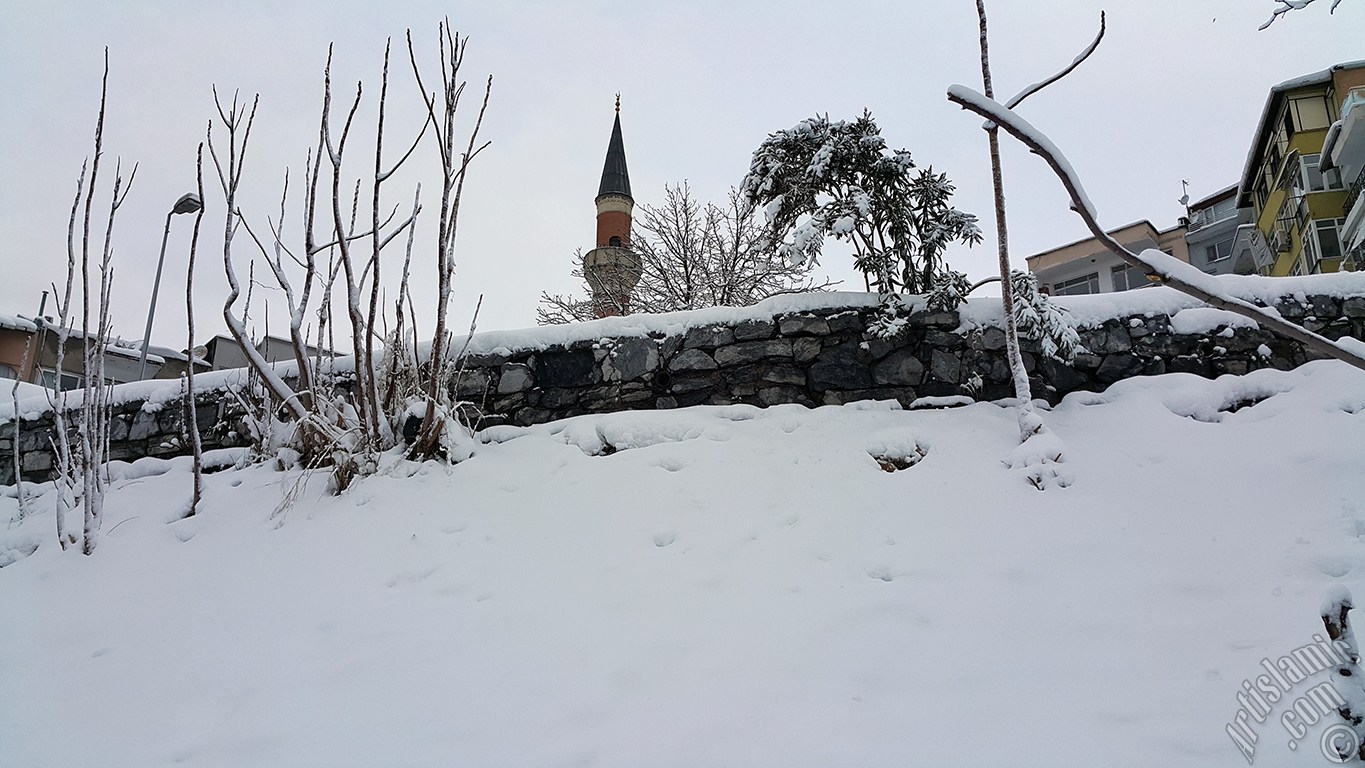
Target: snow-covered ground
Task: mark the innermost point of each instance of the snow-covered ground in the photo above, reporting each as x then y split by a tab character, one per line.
721	586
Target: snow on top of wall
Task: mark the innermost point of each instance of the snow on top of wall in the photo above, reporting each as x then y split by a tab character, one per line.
1207	319
669	323
1093	310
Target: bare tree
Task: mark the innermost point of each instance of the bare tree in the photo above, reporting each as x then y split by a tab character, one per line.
348	424
691	256
191	407
1285	6
86	459
31	350
454	167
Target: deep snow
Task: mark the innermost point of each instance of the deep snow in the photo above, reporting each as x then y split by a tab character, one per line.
719	586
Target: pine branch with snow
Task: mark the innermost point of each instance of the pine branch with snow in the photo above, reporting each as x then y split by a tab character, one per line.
1038	318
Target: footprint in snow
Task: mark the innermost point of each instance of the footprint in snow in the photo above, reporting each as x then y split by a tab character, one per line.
662	540
881	572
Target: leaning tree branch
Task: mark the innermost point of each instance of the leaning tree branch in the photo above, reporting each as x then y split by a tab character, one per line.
1165	270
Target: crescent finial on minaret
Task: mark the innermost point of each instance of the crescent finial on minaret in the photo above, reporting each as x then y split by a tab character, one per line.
618	102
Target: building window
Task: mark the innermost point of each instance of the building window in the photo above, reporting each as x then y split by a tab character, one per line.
1088	284
7	372
1219	250
69	380
614	242
1313	180
1262	193
1309	113
1328	242
1128	278
1309	261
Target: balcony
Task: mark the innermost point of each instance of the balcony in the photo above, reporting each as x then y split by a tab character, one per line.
1353	232
1344	146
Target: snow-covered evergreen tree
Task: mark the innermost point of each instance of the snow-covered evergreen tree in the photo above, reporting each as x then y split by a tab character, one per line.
823	178
1037	318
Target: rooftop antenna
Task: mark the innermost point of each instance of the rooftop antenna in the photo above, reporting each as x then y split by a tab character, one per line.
1185	198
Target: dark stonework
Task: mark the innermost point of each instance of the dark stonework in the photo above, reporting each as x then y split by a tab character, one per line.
818	357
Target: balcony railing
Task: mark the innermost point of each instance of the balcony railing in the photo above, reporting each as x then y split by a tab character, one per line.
1353	193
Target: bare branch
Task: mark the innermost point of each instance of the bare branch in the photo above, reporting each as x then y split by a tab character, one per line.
1036	87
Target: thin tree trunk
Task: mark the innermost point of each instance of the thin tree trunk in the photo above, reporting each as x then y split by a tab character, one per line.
196	444
1023	393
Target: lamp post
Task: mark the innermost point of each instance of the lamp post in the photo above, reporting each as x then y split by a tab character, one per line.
188	203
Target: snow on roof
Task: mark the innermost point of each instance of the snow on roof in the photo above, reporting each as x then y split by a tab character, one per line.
1214	198
17	323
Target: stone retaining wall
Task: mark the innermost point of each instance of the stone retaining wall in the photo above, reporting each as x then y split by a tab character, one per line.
816	357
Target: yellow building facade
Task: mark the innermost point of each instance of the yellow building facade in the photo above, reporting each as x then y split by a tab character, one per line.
1298	209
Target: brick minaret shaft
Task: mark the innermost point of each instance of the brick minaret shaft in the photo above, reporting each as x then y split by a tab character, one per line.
612	269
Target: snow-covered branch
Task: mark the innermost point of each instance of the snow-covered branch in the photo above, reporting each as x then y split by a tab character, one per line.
1157	265
1285	6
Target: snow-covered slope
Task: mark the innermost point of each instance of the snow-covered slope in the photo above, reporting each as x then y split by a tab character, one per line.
719	586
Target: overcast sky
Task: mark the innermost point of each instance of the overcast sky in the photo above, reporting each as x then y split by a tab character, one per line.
1173	93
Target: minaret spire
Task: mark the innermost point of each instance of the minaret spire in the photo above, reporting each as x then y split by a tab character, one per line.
615	176
612	269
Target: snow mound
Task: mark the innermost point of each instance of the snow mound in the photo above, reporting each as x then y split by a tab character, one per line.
730	586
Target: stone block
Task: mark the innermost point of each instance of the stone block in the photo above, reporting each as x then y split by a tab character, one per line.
574	368
749	330
846	322
1120	365
803	325
515	377
805	350
631	359
900	368
708	337
753	351
944	366
472	383
692	360
143	426
992	339
839	368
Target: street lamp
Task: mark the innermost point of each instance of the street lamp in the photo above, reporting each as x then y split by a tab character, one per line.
188	203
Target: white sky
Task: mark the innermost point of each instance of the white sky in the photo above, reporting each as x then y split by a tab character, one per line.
1173	93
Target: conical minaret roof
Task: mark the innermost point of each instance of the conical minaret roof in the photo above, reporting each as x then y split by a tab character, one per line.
615	177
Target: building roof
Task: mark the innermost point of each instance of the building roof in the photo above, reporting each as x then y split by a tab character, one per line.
1111	232
17	323
1216	197
615	177
1272	101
